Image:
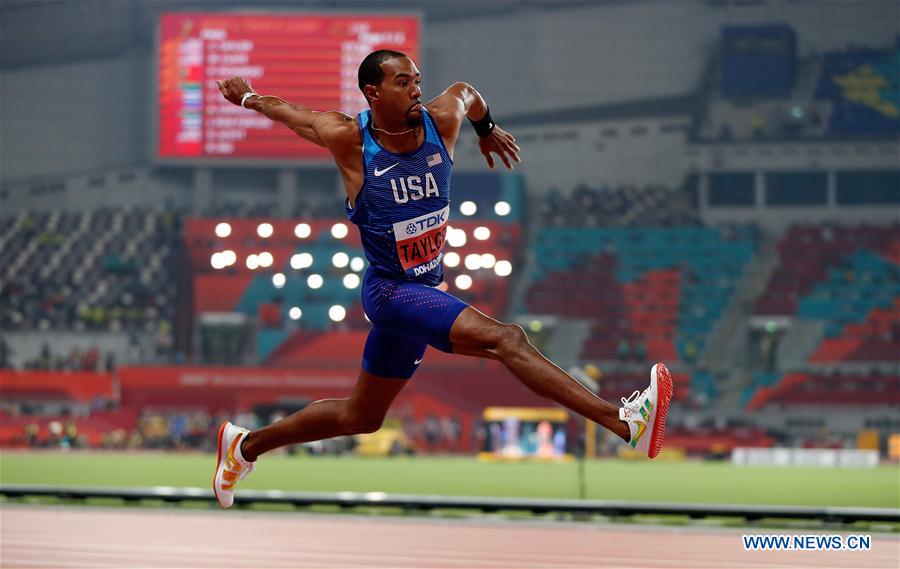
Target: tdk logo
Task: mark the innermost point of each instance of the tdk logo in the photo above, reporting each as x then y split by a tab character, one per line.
430	222
437	219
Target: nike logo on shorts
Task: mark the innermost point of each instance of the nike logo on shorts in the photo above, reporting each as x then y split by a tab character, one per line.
380	172
418	361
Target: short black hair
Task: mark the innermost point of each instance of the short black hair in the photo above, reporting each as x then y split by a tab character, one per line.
370	72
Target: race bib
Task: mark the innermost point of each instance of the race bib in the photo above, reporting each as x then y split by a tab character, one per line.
420	241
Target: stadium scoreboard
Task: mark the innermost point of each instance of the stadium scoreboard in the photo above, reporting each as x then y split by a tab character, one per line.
311	59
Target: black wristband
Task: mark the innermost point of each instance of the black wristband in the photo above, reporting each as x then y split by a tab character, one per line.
484	126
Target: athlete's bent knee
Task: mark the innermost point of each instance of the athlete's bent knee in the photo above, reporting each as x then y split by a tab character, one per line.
359	423
512	339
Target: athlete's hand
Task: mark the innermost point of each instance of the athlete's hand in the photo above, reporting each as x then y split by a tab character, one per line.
234	88
502	144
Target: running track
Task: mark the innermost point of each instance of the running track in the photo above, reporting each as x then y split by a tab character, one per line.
40	536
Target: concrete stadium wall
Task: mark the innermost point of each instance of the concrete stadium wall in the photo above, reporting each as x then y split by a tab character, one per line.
546	59
129	187
74	118
640	151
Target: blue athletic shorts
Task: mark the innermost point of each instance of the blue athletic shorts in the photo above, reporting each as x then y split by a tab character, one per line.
406	318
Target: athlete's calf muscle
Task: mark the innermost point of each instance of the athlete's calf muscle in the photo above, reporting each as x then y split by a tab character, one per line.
476	334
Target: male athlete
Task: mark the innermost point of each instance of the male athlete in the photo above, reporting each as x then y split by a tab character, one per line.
395	160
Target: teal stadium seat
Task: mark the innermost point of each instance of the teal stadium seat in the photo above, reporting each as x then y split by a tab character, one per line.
709	266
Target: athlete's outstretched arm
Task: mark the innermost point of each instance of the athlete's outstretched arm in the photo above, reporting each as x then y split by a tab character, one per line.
460	101
314	126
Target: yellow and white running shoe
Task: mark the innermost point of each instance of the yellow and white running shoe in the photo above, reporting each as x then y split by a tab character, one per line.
231	467
646	412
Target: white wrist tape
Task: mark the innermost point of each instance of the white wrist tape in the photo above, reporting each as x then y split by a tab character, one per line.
246	96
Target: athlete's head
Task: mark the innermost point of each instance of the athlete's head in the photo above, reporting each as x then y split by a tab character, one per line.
390	82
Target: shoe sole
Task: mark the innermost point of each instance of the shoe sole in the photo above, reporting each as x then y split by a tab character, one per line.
219	460
664	391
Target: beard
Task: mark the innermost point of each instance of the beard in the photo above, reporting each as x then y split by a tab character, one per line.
413	122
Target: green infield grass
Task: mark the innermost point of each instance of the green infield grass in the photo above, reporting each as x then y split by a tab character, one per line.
689	481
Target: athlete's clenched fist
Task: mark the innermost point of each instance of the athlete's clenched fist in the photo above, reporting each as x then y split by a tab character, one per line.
234	88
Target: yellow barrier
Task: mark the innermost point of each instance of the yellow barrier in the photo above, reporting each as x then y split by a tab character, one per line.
894	446
384	442
526	414
867	440
667	454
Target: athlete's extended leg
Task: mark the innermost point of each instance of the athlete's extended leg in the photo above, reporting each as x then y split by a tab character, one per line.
388	361
476	334
362	412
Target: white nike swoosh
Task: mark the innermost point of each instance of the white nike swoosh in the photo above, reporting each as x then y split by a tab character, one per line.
418	361
380	172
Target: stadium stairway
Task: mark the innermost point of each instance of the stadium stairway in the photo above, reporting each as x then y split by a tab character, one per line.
528	259
753	282
568	338
799	342
726	350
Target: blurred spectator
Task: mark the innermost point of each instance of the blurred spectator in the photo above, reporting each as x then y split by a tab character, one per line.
758	127
55	430
623	350
91	359
75	360
164	341
110	363
725	133
32	432
640	351
5	354
450	432
432	432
